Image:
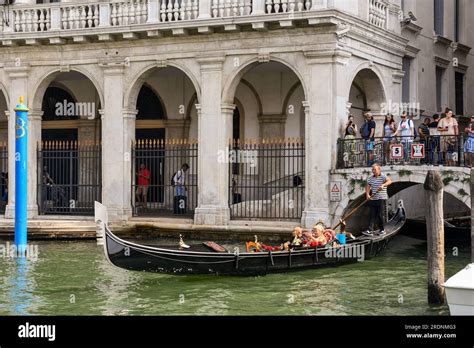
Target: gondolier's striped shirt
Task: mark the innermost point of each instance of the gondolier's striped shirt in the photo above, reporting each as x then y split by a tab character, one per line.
375	183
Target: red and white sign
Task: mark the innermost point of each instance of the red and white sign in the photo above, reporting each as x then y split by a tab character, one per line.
396	151
335	192
418	151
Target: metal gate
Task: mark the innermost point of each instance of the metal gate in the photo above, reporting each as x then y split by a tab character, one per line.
69	177
266	179
154	164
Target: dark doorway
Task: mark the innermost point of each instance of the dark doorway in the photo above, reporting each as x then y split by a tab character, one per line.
154	159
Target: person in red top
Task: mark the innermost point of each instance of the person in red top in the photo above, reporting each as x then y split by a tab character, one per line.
143	184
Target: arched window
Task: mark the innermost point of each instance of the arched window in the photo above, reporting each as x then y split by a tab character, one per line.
149	105
58	105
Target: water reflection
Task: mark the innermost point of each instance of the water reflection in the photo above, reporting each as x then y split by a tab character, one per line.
64	269
22	286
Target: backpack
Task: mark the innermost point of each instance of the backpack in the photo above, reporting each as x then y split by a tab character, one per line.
365	131
173	182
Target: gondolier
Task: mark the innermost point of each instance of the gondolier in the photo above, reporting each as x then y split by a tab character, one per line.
376	193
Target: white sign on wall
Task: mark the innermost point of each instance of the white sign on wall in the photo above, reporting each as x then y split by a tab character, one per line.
335	191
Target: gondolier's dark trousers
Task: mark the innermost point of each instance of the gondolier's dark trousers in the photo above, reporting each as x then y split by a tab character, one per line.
376	213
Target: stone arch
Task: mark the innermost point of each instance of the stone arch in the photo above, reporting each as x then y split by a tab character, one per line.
4	91
46	79
131	94
230	86
189	108
371	67
254	93
289	95
157	95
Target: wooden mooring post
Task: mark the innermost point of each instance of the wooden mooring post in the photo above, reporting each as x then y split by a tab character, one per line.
435	236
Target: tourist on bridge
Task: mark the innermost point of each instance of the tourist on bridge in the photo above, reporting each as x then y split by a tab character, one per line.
424	131
389	129
449	130
349	137
406	129
3	188
469	144
435	144
367	132
376	193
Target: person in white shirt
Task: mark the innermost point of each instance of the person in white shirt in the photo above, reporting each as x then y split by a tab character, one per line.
179	180
406	129
449	130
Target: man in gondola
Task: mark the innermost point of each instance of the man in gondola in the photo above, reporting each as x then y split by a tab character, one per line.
376	194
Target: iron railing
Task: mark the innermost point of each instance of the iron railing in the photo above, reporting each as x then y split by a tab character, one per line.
266	179
69	177
3	177
154	164
435	150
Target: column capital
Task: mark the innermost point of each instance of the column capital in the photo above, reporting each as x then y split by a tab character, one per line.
35	115
17	72
129	114
7	113
227	108
306	106
198	109
211	63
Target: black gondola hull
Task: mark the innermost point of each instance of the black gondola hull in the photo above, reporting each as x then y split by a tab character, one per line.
135	257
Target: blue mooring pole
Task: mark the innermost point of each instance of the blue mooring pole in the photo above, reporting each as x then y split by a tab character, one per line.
21	177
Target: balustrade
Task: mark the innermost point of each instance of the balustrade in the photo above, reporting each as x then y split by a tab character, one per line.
80	16
32	20
128	12
178	10
378	13
287	6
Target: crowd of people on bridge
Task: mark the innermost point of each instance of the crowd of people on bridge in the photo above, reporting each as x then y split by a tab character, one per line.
440	134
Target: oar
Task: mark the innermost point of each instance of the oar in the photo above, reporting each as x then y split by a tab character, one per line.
342	220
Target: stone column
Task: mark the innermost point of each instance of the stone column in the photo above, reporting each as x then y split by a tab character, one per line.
213	137
34	138
18	87
325	111
129	119
113	143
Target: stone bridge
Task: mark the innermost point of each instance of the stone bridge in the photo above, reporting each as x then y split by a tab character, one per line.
456	181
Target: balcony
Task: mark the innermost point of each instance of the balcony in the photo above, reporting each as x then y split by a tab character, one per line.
130	19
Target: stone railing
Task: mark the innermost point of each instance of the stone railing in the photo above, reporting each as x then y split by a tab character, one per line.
378	13
79	16
173	10
33	23
32	19
287	6
128	12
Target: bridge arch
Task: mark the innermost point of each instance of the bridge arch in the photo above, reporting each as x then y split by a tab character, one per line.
457	184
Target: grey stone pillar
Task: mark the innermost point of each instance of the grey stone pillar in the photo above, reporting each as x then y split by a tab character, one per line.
18	87
213	125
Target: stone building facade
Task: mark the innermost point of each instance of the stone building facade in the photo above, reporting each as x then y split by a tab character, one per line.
292	69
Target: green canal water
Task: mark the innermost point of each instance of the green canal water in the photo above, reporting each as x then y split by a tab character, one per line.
74	278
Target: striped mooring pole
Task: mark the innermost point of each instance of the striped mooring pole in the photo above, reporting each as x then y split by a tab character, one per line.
21	178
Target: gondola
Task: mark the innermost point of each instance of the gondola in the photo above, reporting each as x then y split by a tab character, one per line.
416	228
200	260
